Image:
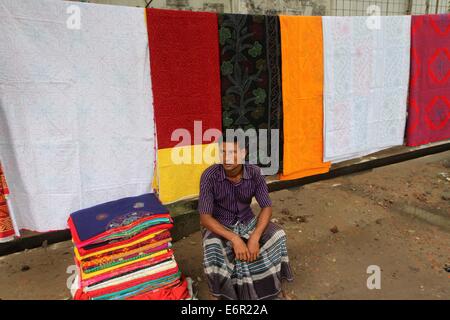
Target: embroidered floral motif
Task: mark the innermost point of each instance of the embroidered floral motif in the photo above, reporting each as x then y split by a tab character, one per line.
128	218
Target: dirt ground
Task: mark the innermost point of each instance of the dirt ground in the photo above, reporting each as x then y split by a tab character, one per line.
396	217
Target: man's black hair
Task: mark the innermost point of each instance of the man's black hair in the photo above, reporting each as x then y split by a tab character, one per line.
232	139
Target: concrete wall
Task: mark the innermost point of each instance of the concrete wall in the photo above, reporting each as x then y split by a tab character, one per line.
299	7
195	5
295	7
389	7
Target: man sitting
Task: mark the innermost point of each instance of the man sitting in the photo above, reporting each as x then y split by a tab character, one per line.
245	257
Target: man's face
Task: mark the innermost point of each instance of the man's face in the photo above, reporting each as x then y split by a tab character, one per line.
232	156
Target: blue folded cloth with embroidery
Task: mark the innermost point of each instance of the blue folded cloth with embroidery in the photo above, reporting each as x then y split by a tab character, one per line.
96	220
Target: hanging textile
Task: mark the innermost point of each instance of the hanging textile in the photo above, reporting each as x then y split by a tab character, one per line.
184	50
76	114
6	225
429	91
302	55
177	180
366	84
250	65
185	72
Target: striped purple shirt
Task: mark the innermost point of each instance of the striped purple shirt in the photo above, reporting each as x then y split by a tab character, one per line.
228	202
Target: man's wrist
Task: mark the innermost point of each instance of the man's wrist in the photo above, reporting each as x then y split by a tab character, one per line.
235	237
255	235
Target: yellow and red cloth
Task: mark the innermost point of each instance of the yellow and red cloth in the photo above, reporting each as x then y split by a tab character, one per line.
186	89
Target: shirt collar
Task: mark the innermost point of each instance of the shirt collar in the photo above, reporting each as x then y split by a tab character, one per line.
245	174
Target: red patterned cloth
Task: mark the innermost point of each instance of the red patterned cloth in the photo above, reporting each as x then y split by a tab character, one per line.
429	105
179	291
6	225
184	57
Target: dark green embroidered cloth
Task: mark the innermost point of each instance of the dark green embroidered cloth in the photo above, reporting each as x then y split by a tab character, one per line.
250	65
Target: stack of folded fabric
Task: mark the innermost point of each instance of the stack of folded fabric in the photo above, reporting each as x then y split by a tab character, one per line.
123	251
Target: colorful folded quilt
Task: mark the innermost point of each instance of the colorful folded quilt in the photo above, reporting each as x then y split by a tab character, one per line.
127	234
148	283
177	291
152	283
94	222
104	258
164	266
127	269
125	259
123	249
112	267
110	246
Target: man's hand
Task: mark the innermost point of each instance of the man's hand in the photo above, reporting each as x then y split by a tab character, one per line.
253	248
240	249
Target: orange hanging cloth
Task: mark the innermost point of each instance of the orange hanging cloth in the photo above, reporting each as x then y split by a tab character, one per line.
302	78
6	225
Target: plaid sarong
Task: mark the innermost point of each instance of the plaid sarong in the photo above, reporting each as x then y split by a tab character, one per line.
232	279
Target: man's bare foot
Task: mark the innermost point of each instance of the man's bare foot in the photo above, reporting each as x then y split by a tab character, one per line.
280	296
288	296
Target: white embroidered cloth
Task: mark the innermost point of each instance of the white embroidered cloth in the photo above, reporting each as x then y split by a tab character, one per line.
76	110
366	84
